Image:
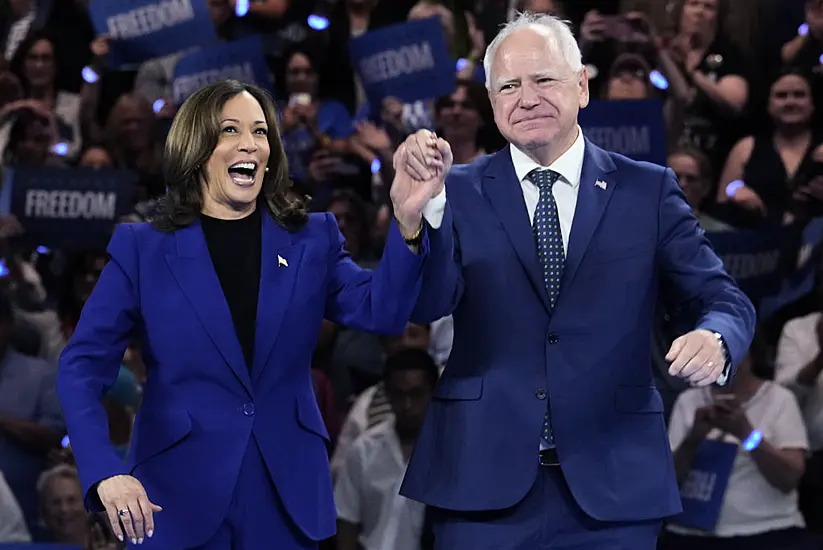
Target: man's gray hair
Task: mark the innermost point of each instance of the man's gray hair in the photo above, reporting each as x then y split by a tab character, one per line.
558	34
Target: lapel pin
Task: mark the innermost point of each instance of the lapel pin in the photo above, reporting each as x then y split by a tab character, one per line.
601	184
282	261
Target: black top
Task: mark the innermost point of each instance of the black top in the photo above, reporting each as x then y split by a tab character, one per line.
235	250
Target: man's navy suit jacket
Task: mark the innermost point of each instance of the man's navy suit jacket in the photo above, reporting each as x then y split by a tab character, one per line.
633	240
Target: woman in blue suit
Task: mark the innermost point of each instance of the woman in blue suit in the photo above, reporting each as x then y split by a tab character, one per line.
226	291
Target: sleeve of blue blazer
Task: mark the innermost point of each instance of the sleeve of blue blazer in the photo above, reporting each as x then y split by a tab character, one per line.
382	300
91	360
688	261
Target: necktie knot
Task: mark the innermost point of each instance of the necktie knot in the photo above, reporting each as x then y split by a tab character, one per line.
544	179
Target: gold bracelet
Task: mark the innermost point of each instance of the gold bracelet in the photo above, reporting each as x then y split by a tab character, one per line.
413	239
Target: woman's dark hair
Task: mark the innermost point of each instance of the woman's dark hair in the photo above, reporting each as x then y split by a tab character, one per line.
792	70
721	21
24	119
17	63
309	51
190	143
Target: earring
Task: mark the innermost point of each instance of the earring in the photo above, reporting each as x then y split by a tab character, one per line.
267	168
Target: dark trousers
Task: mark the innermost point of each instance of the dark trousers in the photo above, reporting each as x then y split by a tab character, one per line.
547	518
811	493
783	539
257	519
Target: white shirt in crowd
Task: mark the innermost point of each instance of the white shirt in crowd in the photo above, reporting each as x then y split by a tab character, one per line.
751	504
798	346
12	525
367	492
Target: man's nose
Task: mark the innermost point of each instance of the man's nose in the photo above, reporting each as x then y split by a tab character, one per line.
528	97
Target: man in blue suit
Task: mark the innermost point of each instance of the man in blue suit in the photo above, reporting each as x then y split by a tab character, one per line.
546	430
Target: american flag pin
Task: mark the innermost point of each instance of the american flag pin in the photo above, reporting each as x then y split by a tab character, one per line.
601	184
282	261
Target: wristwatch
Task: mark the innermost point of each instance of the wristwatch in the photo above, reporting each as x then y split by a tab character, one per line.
724	376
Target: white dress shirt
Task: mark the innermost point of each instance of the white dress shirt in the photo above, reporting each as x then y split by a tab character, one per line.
569	165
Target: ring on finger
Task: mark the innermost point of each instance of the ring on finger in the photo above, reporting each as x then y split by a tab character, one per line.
123	512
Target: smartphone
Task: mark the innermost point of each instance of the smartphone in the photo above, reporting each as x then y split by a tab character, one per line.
300	99
724	397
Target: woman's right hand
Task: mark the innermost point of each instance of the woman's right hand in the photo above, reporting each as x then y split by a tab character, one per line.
128	507
748	199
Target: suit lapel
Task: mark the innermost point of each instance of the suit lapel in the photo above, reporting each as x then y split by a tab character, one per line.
194	272
280	261
595	191
503	191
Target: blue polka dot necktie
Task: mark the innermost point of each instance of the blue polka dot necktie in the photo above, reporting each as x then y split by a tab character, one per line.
549	241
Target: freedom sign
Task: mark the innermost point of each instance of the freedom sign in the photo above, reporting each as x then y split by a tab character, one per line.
68	207
757	259
146	29
703	490
241	60
635	129
410	61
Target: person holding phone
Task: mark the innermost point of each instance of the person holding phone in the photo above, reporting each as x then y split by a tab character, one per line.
315	130
760	506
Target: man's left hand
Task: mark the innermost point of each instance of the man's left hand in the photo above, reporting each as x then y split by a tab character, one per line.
698	357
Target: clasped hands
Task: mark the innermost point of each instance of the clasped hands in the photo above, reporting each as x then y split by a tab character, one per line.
421	165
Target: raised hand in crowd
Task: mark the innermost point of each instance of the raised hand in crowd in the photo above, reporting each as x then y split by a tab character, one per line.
10	226
323	166
100	46
391	113
128	507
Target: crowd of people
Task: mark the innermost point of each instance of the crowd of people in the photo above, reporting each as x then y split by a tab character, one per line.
738	86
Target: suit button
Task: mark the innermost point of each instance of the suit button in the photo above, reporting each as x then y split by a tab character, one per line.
540	393
248	409
553	338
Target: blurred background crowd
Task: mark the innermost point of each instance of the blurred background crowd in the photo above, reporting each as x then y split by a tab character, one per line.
737	83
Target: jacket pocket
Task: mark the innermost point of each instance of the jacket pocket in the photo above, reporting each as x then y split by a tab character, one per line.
459	388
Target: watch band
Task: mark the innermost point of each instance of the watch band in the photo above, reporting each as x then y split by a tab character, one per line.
726	355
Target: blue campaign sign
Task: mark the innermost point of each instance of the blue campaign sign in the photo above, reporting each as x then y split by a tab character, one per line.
755	258
241	60
145	29
68	207
702	492
801	281
632	128
410	61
